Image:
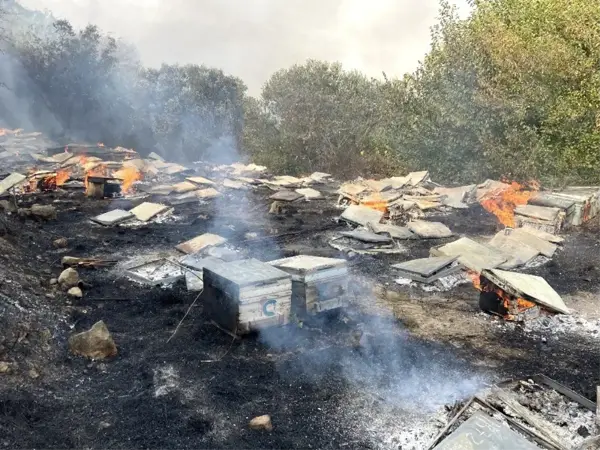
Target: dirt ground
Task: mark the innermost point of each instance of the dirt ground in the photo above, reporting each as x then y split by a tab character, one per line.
418	350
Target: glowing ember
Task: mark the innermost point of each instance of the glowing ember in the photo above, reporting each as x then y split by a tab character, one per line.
129	175
513	305
502	202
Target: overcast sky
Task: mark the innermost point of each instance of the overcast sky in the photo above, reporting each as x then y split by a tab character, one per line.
254	38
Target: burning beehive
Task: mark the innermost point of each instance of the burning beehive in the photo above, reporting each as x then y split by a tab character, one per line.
318	284
247	295
502	201
517	296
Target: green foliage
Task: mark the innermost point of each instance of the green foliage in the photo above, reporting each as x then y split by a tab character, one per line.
317	116
511	91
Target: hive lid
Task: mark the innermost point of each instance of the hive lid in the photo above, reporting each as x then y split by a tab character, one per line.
248	272
303	264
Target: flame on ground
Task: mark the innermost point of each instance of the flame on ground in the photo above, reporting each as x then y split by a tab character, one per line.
128	175
502	202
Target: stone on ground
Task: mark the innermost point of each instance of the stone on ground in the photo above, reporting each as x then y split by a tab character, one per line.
96	343
261	423
68	278
75	292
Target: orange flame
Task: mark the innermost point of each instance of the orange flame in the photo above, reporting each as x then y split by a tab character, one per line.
129	175
62	176
376	201
502	202
514	305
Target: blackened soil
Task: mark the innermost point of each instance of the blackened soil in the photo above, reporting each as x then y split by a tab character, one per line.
200	389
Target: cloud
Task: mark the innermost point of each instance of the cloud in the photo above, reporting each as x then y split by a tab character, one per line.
253	39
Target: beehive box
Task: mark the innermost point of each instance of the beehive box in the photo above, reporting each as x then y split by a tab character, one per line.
247	295
318	284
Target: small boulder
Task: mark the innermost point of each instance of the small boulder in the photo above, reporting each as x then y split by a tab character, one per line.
53	281
261	423
44	212
68	278
96	343
75	292
5	367
60	243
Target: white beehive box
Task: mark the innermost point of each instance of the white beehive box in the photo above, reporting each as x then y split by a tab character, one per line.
247	295
318	284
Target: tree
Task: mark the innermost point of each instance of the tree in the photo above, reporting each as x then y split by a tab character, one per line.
316	116
512	90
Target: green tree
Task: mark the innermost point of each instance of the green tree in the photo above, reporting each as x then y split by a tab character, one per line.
316	116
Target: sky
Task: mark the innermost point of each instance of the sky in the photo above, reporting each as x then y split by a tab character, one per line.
254	38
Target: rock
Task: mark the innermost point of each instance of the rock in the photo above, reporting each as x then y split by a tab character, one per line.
261	423
68	278
5	367
44	212
53	281
104	425
277	207
33	374
50	295
60	243
7	206
75	292
96	343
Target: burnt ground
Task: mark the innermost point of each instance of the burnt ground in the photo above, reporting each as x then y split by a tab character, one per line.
418	350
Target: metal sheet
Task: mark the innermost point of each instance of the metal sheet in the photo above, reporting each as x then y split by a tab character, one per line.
544	247
366	236
480	431
361	215
11	181
520	252
146	211
394	231
113	217
200	242
538	212
530	287
431	230
426	266
286	196
249	272
471	254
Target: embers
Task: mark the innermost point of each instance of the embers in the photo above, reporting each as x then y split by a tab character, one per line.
494	300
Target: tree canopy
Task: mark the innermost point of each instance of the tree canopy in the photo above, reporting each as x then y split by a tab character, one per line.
512	90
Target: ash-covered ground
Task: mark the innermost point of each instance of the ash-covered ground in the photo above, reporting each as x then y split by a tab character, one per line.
377	375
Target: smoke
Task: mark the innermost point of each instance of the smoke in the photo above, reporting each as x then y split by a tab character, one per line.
254	39
378	358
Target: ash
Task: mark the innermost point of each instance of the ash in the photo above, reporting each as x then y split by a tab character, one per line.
538	261
386	427
564	324
572	422
440	285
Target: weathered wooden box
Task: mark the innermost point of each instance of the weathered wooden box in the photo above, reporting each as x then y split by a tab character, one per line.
247	295
318	284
